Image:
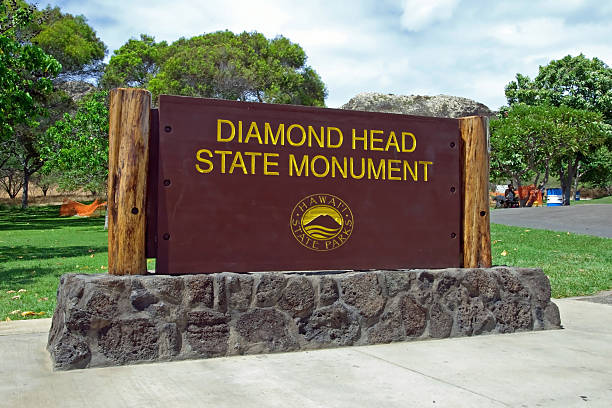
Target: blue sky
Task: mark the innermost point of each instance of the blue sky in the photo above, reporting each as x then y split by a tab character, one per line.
464	48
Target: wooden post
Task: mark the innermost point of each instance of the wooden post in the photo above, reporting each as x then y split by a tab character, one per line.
476	240
128	160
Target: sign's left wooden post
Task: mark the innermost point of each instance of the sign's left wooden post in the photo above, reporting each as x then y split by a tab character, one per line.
128	161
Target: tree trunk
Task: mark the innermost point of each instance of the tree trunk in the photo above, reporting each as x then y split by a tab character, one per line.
518	189
537	179
12	189
546	174
566	182
577	178
26	182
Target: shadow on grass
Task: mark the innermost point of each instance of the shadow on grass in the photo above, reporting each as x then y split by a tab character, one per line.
17	277
27	252
42	218
13	278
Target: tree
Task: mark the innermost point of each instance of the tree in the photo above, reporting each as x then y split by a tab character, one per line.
576	82
246	67
11	180
530	141
134	64
71	41
24	149
45	181
518	144
25	72
29	102
76	147
598	170
25	82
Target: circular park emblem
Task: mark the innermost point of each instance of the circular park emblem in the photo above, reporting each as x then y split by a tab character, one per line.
321	222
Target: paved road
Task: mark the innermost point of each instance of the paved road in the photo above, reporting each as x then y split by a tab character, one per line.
604	297
555	368
589	219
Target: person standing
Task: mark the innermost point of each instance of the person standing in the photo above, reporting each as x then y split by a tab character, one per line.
509	195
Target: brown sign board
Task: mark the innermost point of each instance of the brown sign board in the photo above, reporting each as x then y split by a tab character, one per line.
244	187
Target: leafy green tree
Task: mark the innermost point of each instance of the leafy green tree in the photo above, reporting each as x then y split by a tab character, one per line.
25	83
71	41
76	147
597	171
531	141
134	64
25	72
518	144
24	147
29	102
246	67
577	82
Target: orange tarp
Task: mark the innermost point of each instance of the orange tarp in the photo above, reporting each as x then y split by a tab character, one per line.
82	210
535	198
523	191
531	194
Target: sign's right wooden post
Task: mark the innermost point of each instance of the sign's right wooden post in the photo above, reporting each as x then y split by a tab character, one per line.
476	239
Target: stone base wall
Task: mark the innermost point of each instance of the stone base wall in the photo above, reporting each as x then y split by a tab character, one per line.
104	320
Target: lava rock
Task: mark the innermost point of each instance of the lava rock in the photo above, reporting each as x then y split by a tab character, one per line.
129	340
240	288
364	293
208	332
142	298
199	290
443	106
265	330
440	323
413	315
513	316
328	291
298	297
269	289
332	325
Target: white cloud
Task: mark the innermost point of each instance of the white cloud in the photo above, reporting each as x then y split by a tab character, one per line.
537	32
419	14
390	46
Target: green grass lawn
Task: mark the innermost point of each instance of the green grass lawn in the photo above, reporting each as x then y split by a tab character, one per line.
602	200
37	247
576	264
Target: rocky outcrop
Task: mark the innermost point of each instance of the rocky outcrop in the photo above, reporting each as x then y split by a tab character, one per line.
443	106
75	89
104	320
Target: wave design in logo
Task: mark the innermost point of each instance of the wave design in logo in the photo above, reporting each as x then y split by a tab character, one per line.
320	232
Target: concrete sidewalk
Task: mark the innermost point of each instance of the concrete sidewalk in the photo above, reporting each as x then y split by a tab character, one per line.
560	368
